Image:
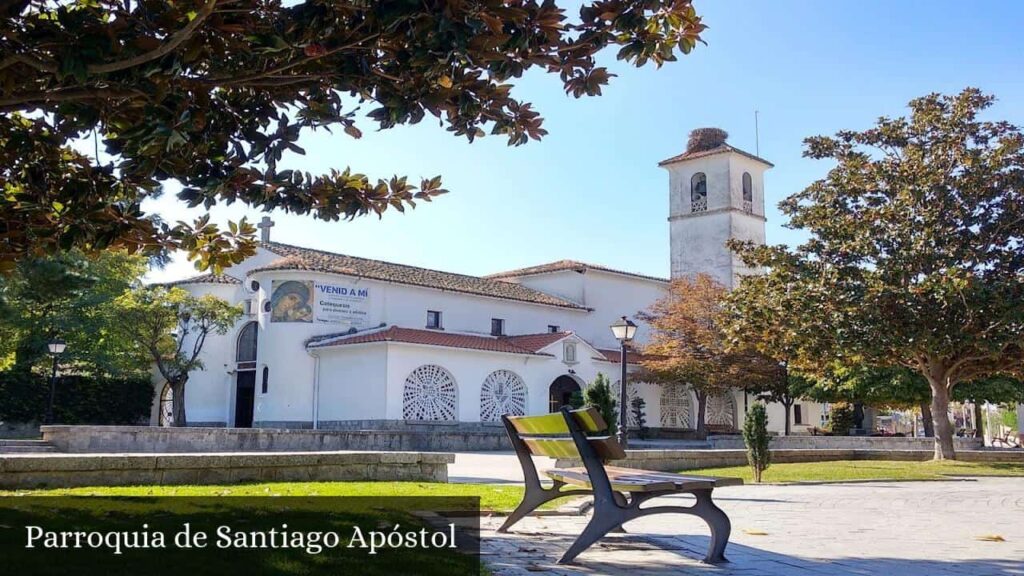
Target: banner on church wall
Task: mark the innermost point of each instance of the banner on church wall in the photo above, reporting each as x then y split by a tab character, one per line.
342	304
291	301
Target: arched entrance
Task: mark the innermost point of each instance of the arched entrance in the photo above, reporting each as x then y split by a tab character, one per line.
245	375
561	391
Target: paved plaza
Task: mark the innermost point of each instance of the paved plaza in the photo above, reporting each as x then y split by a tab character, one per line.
890	528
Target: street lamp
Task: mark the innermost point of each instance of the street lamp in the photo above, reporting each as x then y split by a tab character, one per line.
56	347
623	330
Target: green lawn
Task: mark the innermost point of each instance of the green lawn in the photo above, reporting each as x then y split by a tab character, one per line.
492	496
845	470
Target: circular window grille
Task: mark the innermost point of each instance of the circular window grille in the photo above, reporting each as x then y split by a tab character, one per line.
429	394
722	410
632	391
675	406
503	392
166	417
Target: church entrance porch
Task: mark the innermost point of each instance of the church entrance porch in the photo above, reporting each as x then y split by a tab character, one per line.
245	396
561	391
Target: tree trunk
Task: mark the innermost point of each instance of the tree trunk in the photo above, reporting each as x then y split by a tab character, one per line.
926	420
943	427
702	406
788	406
178	403
979	428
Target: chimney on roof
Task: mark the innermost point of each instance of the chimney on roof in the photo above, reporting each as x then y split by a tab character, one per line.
703	139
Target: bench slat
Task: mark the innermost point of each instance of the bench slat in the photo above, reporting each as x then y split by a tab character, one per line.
589	419
607	447
630	480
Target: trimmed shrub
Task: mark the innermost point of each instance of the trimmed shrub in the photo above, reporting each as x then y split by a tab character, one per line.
840	419
79	399
599	395
755	436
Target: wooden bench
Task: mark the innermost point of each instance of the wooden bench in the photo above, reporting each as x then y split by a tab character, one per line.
618	492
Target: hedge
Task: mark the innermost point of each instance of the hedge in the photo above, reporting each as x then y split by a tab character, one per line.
79	399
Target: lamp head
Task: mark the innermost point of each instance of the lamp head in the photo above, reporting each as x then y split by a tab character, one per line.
56	346
624	330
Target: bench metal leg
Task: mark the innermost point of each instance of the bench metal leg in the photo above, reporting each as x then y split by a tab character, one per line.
610	515
534	497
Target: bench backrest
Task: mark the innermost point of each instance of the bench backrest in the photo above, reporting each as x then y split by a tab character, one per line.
552	435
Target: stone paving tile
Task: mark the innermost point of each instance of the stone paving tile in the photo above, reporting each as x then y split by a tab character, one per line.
898	528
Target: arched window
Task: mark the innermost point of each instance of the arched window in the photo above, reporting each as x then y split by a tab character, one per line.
503	392
245	348
430	393
166	415
266	379
748	193
698	192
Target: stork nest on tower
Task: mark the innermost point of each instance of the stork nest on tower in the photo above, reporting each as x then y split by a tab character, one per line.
703	139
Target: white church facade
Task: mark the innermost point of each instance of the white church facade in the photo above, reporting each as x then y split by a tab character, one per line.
331	341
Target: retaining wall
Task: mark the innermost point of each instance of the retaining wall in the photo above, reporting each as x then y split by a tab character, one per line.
847	442
146	439
69	470
673	460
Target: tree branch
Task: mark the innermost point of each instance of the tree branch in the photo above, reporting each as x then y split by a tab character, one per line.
175	40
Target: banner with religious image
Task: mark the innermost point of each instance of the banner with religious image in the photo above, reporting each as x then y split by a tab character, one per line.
342	304
291	301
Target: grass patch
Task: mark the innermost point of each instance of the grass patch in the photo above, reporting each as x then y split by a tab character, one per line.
495	497
847	470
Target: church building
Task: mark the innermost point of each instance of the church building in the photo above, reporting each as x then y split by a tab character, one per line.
333	341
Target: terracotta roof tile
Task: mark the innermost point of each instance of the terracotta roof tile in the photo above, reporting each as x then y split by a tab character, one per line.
425	337
632	356
721	149
561	265
298	258
535	342
206	279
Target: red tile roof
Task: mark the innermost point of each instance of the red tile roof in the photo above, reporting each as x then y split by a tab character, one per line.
561	265
632	356
535	342
721	149
298	258
206	279
425	337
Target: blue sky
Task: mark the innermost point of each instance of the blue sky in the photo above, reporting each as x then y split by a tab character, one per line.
592	191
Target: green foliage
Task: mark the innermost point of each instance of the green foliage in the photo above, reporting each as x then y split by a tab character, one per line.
1008	417
913	255
756	438
840	419
171	326
79	399
72	296
217	98
637	406
599	395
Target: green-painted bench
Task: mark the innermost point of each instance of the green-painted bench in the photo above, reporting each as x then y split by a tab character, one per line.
618	492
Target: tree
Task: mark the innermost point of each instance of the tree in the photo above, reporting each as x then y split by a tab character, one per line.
914	254
213	93
785	390
689	345
599	395
171	327
70	295
755	436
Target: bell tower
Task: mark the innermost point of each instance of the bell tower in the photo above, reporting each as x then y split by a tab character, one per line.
716	193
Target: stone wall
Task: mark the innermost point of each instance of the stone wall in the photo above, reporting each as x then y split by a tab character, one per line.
146	439
674	460
69	470
846	442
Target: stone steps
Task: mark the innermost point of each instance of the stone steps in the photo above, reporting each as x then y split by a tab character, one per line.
26	447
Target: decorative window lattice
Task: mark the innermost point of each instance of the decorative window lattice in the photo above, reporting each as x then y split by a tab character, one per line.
503	392
748	206
429	394
632	391
675	407
700	205
721	410
166	417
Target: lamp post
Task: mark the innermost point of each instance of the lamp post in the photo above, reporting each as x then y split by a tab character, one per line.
56	347
623	330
